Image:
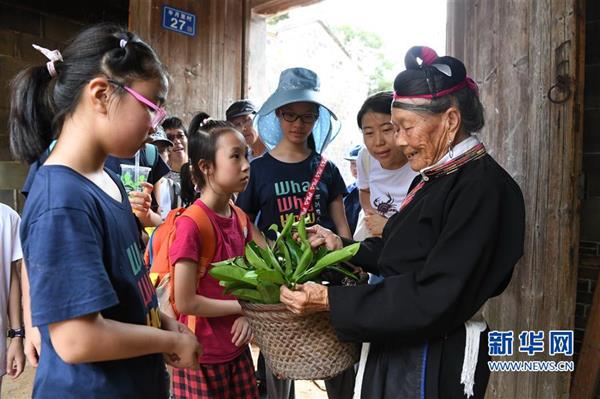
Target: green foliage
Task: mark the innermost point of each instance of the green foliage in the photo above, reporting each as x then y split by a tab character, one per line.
258	276
130	184
278	18
366	48
348	34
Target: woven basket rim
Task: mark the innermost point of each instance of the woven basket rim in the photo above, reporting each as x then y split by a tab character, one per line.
278	307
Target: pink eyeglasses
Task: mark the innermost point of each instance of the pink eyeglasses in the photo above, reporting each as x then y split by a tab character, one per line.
157	113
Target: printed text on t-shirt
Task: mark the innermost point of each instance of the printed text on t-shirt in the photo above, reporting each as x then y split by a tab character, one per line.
290	195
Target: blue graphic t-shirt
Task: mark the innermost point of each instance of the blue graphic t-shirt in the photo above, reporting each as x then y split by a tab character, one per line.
82	252
276	190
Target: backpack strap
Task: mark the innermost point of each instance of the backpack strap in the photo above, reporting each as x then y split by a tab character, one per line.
157	246
207	251
206	231
51	146
242	219
151	154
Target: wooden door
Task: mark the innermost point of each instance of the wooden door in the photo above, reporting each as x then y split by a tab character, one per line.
206	69
527	57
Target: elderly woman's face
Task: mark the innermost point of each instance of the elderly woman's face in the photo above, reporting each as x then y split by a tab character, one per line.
421	136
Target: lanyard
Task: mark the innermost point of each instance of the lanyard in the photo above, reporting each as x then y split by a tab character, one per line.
313	186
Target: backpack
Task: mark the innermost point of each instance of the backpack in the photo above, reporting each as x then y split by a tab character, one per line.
151	155
156	256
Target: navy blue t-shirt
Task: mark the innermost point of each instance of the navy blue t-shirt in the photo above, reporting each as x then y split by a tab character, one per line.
352	206
82	253
276	189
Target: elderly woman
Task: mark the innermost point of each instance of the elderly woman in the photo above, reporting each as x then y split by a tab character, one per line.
451	247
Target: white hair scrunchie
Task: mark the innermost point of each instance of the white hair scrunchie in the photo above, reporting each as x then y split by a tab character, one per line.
52	55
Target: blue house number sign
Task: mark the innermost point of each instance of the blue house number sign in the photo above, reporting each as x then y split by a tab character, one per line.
179	21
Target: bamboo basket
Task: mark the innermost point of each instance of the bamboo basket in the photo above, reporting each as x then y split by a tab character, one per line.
299	347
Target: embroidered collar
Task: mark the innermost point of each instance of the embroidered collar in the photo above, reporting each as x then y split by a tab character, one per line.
461	148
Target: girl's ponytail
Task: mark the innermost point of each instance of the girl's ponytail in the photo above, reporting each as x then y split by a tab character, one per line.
31	113
43	97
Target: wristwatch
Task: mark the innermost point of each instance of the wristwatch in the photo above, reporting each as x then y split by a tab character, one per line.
16	332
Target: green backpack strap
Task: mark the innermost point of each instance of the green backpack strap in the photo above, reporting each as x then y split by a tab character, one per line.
151	153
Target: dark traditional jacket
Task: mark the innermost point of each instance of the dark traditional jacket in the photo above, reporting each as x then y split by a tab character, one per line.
443	256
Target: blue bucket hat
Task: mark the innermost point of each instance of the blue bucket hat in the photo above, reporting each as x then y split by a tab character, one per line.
353	153
296	85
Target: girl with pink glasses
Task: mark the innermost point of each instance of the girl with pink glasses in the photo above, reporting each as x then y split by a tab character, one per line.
101	331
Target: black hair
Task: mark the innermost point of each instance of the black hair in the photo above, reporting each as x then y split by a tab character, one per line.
432	76
198	121
188	189
174	122
40	103
379	102
202	146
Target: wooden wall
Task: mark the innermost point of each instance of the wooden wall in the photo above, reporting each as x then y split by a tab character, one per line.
206	69
223	62
48	24
514	50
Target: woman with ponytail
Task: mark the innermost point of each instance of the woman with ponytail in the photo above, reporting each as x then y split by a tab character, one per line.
452	245
102	334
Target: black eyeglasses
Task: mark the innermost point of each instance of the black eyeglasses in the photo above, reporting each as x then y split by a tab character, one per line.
293	117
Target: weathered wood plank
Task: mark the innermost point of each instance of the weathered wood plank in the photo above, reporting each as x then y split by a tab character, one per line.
12	175
266	7
206	70
587	373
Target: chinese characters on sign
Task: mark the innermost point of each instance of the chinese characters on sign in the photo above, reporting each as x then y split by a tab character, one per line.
559	342
179	21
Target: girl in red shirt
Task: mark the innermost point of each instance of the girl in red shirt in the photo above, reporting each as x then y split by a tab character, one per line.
220	168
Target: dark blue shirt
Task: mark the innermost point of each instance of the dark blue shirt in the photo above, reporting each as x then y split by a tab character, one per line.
276	189
82	253
159	167
352	206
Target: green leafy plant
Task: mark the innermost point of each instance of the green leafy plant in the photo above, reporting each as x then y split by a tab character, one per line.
257	276
130	184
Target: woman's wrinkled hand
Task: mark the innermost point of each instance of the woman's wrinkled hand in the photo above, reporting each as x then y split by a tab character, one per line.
305	299
319	235
375	222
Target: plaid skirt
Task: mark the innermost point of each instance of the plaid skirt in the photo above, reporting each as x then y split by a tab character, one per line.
232	380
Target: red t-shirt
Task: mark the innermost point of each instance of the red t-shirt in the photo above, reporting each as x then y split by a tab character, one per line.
213	333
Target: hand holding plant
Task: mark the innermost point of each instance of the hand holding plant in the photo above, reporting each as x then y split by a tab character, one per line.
257	276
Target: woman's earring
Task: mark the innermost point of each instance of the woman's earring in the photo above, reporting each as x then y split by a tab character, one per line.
450	149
